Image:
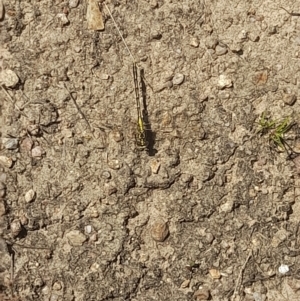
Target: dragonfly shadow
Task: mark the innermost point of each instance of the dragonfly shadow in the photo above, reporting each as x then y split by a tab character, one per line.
150	135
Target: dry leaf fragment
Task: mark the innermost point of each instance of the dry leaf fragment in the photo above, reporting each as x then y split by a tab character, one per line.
94	16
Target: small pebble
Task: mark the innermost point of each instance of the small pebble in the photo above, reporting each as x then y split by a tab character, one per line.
63	18
194	42
1	10
6	162
185	283
27	144
220	50
10	143
88	229
202	294
211	43
155	34
283	269
15	227
227	207
104	76
178	79
215	274
9	78
209	238
289	99
37	152
114	164
154	165
224	82
243	35
73	3
30	196
272	30
94	16
57	286
106	174
159	231
75	238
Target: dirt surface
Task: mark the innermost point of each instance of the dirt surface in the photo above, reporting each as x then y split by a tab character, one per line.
209	212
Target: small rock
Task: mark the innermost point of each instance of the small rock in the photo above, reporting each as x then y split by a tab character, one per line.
9	78
15	227
215	274
57	286
1	10
37	152
94	16
243	35
227	207
63	18
155	34
272	30
159	231
283	269
6	162
194	42
224	82
10	143
178	79
104	76
220	50
114	164
27	144
88	229
202	294
73	3
154	165
30	196
253	37
106	175
289	99
211	43
185	283
75	238
209	238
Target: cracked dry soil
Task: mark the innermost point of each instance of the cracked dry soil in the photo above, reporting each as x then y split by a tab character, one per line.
210	212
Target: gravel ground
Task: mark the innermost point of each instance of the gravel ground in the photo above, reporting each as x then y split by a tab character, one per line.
210	211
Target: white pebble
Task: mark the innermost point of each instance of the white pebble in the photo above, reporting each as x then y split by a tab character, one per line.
224	82
62	18
9	78
29	196
178	79
73	3
5	161
283	269
227	207
37	152
88	229
15	227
